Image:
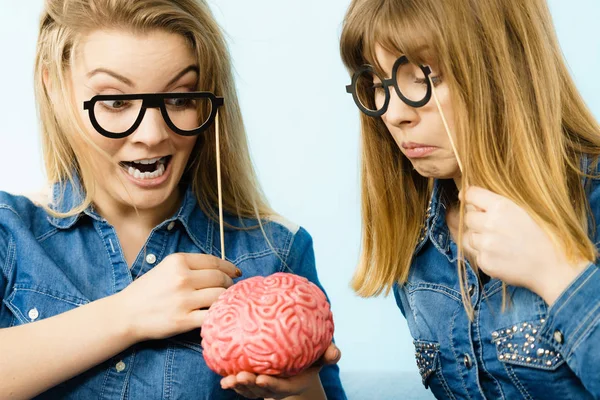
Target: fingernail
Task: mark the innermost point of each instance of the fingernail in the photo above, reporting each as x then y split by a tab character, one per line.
238	272
337	353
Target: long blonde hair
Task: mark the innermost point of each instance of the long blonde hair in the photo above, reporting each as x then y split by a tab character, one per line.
63	24
521	124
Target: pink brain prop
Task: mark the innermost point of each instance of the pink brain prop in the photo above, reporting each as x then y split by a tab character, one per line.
277	325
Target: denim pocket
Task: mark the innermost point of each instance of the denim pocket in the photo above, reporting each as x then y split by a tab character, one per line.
519	344
31	303
534	366
427	355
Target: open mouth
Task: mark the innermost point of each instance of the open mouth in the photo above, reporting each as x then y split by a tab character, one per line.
148	168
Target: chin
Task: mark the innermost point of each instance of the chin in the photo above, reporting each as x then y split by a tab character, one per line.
437	170
149	202
145	200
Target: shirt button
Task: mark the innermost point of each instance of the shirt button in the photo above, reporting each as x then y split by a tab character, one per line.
171	226
33	314
120	367
150	258
558	336
467	361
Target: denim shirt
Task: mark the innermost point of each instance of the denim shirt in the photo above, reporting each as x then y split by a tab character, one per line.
50	266
529	351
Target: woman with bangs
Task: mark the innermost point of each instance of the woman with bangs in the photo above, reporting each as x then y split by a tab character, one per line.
480	194
104	287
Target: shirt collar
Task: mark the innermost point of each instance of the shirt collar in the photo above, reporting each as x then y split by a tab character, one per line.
196	223
68	194
435	224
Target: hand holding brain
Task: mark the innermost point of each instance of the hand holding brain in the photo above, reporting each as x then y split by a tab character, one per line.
277	325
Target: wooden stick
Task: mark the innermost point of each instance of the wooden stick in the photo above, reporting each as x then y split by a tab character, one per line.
219	187
437	102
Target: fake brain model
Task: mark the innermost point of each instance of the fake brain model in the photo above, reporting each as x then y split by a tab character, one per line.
275	325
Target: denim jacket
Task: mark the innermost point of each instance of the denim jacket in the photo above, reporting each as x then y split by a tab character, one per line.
529	351
50	266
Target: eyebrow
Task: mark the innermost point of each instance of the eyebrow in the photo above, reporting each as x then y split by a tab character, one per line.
128	82
183	72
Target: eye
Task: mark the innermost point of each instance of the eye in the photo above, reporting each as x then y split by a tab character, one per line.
435	79
115	105
180	102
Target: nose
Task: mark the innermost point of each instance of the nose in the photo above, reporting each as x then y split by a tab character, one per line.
399	113
152	130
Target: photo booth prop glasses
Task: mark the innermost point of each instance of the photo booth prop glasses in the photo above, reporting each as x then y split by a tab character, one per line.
119	115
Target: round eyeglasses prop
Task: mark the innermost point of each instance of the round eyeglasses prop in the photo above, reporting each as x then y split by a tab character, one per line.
371	92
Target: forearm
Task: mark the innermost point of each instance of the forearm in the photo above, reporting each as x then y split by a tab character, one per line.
71	343
572	327
558	281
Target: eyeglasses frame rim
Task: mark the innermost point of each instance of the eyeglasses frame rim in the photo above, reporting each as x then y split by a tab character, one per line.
153	100
386	83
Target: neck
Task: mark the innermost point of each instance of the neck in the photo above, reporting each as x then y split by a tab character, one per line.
458	182
121	215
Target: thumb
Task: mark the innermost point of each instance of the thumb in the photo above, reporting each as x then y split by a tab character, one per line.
332	355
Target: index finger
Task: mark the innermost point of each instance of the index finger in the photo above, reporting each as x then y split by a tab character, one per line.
481	198
199	261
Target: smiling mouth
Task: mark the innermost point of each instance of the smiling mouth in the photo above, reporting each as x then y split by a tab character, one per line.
148	168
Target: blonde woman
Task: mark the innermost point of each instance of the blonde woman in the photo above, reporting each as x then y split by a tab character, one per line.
479	194
104	288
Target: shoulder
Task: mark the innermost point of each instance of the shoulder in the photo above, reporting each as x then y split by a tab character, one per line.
14	206
19	212
591	166
284	224
288	235
273	235
274	226
14	212
591	181
272	232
